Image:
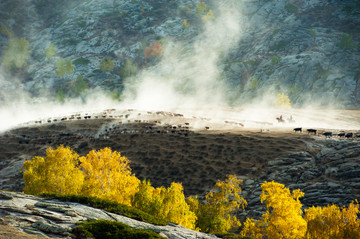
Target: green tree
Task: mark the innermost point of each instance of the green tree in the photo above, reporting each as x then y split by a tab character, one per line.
50	51
80	85
107	65
60	94
129	69
16	53
56	173
64	67
216	215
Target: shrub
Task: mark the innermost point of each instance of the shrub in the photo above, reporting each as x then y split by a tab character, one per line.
275	60
50	52
109	206
107	65
80	85
81	61
104	229
254	83
291	8
209	16
346	42
129	69
201	8
6	31
186	23
64	67
278	46
154	50
60	94
15	53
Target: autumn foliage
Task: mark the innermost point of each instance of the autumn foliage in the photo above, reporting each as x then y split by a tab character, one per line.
216	214
56	173
106	174
154	50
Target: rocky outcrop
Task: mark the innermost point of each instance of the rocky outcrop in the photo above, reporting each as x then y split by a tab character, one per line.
307	49
327	172
55	219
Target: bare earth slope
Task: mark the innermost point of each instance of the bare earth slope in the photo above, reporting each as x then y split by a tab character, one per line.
197	151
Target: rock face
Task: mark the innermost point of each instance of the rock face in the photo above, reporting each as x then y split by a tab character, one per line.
55	219
327	172
308	49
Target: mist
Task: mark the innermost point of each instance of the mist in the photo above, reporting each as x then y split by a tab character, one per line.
187	79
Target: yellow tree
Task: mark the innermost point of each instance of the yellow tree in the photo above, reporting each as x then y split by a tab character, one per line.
168	204
283	216
108	175
56	173
333	222
216	215
283	101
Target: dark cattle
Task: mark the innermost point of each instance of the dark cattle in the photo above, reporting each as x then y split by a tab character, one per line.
327	134
298	130
312	131
206	127
342	134
349	135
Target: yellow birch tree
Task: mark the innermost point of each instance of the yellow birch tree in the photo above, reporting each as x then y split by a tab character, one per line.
108	175
333	221
283	218
56	173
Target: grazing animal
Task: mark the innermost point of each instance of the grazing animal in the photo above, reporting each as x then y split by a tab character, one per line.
349	135
327	134
342	134
298	130
206	127
312	131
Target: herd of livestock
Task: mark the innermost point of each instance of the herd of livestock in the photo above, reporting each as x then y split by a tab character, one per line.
329	134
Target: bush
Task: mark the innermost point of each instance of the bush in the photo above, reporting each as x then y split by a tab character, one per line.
81	61
254	83
6	31
50	52
129	69
104	229
107	65
63	67
109	206
15	53
278	46
154	50
275	60
209	16
291	8
80	85
346	42
201	8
